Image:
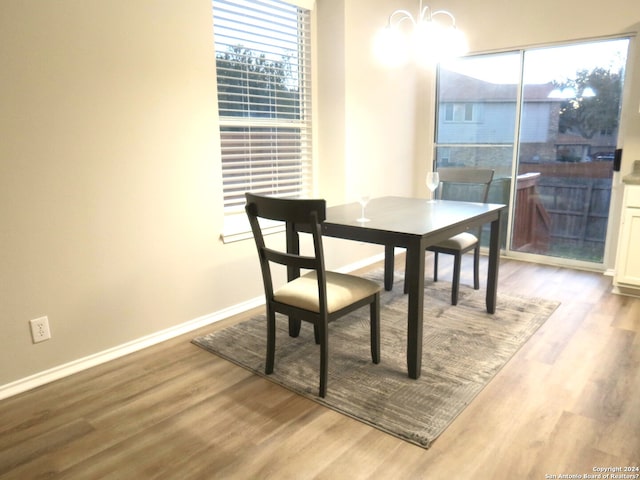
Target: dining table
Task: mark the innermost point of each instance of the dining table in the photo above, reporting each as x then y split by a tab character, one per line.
414	224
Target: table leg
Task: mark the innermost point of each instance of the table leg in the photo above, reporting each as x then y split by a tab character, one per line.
494	263
414	279
389	260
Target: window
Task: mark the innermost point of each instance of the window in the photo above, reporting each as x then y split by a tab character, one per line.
263	65
459	112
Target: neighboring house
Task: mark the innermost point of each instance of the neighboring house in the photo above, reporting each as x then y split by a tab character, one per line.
490	109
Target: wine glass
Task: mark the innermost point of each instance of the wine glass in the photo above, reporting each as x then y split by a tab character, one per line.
363	200
432	181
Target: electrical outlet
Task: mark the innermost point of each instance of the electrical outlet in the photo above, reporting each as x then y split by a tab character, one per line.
40	329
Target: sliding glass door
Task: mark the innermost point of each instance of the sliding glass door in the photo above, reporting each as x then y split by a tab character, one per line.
546	120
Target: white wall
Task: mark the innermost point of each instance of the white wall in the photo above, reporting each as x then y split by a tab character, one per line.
381	109
109	183
110	209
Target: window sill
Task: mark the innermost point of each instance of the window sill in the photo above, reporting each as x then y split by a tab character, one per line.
237	228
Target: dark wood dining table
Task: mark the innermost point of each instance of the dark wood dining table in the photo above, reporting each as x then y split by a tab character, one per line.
415	224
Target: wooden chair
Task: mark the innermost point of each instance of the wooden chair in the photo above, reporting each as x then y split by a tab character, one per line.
318	296
471	185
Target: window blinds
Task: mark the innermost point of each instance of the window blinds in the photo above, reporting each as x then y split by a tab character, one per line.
264	98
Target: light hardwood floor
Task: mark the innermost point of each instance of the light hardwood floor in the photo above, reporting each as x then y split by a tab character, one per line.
567	402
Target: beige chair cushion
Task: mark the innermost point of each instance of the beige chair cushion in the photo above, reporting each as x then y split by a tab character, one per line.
459	242
342	290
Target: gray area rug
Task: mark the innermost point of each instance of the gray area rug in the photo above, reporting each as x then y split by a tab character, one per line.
463	348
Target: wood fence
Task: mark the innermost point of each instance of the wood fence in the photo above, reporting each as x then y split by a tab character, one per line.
576	199
561	210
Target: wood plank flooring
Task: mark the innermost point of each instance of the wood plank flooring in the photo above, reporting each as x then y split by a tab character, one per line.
569	401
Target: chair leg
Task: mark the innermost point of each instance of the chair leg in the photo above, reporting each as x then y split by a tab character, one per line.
435	266
271	341
375	329
455	285
324	356
316	334
476	268
294	326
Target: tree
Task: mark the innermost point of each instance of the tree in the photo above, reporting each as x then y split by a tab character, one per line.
588	115
250	85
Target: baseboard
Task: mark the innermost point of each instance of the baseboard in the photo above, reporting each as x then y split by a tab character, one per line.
362	263
626	291
61	371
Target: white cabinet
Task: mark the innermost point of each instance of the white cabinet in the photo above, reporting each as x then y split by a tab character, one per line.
627	276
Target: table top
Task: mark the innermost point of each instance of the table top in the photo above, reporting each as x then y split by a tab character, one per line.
411	216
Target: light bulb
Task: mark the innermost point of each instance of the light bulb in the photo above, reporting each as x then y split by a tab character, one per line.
390	47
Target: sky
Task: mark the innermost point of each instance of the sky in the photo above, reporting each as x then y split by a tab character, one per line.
543	65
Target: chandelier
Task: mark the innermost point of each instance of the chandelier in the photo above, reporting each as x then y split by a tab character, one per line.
426	39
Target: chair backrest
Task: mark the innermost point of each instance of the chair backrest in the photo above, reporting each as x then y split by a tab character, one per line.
307	213
465	183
